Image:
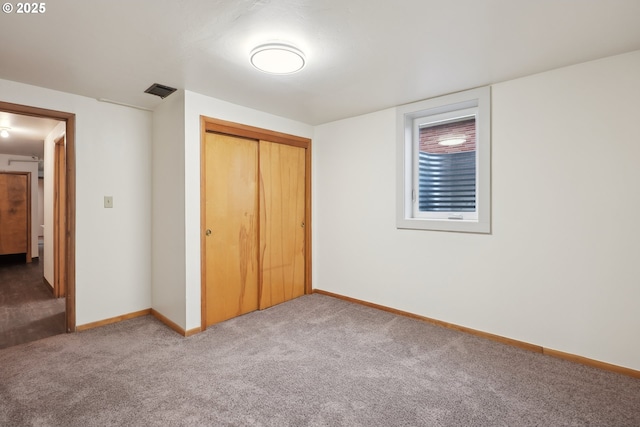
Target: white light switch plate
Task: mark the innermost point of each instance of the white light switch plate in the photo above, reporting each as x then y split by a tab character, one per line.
108	201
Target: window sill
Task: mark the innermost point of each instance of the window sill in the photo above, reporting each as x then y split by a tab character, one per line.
455	225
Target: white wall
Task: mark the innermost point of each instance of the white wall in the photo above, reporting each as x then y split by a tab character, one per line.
31	167
49	191
560	268
113	157
168	262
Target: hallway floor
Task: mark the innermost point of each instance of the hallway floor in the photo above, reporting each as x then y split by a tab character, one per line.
28	310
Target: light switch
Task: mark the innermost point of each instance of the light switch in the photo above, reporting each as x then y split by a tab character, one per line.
108	201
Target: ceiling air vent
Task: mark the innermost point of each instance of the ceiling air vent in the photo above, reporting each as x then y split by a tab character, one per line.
160	90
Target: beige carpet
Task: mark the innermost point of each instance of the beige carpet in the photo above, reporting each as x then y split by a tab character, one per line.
314	361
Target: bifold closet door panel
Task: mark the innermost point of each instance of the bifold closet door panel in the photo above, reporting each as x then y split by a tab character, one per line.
231	212
14	214
282	216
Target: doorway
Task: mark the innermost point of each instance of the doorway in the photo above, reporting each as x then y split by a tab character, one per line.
64	223
256	216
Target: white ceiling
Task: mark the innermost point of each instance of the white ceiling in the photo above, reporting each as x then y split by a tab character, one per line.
363	55
26	134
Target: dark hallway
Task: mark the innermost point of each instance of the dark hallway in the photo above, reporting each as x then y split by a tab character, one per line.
28	310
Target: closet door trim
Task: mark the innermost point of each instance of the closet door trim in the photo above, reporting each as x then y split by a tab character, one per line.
208	124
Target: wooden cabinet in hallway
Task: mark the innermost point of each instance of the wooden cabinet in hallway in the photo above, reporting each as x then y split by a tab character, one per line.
15	213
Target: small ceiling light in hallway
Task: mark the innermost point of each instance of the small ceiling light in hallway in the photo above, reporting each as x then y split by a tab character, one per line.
277	58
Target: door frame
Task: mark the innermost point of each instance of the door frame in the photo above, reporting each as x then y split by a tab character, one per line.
69	235
209	124
59	218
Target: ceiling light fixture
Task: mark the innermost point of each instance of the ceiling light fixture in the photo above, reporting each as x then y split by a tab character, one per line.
277	58
4	132
452	141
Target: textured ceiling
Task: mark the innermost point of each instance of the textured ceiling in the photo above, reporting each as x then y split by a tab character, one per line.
26	134
362	55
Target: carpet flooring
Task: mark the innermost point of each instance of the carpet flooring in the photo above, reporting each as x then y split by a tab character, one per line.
28	309
313	361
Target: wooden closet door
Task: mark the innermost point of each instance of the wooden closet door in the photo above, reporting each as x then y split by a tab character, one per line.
231	215
282	216
14	214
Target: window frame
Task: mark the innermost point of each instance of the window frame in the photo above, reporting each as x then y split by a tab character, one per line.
409	118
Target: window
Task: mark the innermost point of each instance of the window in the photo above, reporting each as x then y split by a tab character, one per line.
444	163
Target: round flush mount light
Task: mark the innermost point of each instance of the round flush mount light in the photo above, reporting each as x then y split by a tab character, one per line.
277	58
452	141
4	132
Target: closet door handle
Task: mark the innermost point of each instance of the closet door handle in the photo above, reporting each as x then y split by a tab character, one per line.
208	232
